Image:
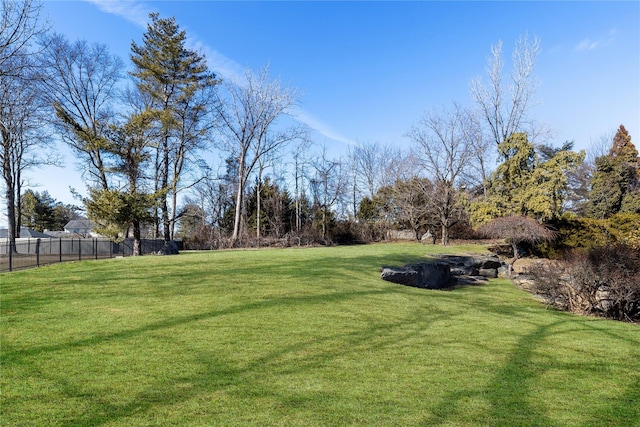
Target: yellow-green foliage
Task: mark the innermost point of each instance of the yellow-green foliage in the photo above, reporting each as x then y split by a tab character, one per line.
586	233
524	185
548	183
115	210
626	227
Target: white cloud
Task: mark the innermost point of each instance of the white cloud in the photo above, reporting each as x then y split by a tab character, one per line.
604	40
324	130
226	68
133	11
138	14
587	44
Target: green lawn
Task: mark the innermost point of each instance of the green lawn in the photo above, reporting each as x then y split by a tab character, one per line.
307	337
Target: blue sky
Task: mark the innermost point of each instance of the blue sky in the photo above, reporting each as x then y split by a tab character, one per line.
368	70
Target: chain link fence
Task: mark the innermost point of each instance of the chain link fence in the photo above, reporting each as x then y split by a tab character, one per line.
36	252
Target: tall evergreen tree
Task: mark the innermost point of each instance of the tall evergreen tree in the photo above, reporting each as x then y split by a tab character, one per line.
615	185
42	212
37	210
173	78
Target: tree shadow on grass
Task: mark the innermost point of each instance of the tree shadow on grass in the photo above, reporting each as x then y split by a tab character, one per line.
509	393
100	280
182	320
216	374
623	409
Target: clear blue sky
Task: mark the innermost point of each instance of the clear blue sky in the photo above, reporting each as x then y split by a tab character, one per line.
368	70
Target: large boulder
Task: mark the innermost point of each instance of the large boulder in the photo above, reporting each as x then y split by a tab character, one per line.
473	264
421	275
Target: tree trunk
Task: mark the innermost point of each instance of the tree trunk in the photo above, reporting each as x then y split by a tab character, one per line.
239	200
11	217
166	229
172	220
101	172
258	211
156	207
324	223
445	234
10	190
18	204
137	241
236	218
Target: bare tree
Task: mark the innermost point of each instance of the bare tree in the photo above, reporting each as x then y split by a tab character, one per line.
599	147
20	104
371	169
328	186
409	203
445	154
263	163
247	115
19	26
215	194
82	87
300	163
193	132
22	137
476	175
504	107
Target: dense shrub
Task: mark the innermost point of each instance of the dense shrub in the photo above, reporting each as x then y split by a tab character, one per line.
462	230
588	233
626	227
602	281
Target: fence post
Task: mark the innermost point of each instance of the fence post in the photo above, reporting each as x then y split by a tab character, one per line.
60	251
38	252
79	250
10	249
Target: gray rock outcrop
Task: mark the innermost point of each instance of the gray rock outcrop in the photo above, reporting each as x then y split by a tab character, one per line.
473	265
446	271
422	275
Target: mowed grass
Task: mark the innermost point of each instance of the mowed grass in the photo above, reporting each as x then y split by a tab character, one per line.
300	337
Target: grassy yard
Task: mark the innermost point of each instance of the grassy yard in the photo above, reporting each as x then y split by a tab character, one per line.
306	337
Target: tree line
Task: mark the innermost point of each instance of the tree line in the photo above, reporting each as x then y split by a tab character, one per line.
140	137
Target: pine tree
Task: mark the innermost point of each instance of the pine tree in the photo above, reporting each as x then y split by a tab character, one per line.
173	78
615	185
